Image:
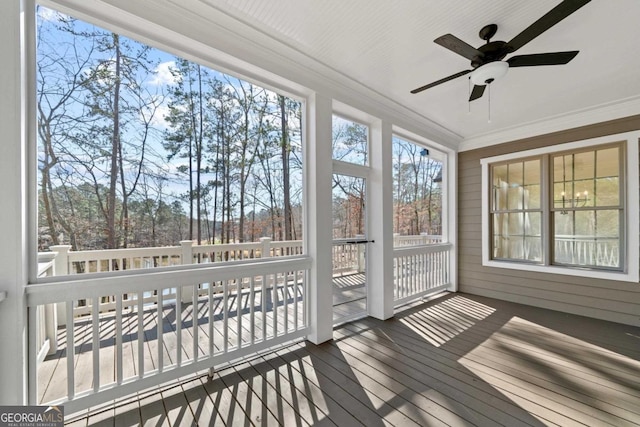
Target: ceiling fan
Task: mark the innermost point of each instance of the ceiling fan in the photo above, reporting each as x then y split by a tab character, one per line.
487	60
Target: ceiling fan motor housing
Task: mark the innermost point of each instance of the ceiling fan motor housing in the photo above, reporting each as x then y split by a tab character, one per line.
492	51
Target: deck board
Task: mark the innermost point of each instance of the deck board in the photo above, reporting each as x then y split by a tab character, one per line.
456	360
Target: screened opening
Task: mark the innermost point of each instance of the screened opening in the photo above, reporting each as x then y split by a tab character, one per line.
417	194
350	141
138	148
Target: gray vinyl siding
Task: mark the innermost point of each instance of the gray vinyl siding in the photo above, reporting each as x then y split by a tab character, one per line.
603	299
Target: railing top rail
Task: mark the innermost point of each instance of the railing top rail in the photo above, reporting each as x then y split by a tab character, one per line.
99	284
123	252
421	249
226	246
285	243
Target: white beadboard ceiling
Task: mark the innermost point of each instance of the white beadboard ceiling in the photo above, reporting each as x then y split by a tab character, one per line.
388	46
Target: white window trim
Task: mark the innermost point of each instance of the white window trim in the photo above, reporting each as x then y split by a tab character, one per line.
632	207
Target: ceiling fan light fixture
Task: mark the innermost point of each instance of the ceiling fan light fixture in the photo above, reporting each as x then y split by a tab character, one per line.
489	72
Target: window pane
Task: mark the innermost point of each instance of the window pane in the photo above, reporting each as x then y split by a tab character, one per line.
500	186
514	198
349	141
583	193
417	194
532	197
499	175
532	172
607	192
608	224
533	237
532	184
584	165
608	164
584	223
515	174
562	167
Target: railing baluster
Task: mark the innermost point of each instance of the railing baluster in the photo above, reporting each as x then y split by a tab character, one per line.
194	319
252	314
211	316
225	315
71	350
295	300
179	325
95	323
239	311
160	327
33	355
285	296
263	295
140	334
119	353
274	305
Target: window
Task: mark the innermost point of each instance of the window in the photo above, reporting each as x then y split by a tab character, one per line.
568	209
587	208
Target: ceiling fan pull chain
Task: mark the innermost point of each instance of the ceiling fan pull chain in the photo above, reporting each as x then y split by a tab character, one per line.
469	97
489	87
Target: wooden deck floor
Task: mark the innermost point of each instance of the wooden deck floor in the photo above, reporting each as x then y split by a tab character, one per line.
458	360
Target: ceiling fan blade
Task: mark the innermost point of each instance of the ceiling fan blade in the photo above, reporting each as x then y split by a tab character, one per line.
555	15
456	45
436	83
477	92
554	58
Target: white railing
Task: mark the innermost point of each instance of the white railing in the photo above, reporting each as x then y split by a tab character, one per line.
96	261
155	337
414	240
420	271
45	324
348	257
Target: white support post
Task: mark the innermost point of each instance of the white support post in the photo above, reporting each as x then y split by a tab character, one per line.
449	222
51	326
186	292
361	248
61	261
61	268
318	217
14	251
380	265
266	247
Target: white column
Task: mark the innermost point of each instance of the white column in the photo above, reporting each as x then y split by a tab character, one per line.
319	216
380	265
449	215
13	215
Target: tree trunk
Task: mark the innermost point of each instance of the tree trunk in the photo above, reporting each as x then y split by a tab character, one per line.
115	149
285	169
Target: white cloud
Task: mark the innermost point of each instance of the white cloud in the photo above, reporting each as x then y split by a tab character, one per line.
163	75
50	15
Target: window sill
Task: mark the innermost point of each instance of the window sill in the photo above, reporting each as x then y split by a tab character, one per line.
567	271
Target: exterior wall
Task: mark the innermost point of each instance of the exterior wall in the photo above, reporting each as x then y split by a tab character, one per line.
603	299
